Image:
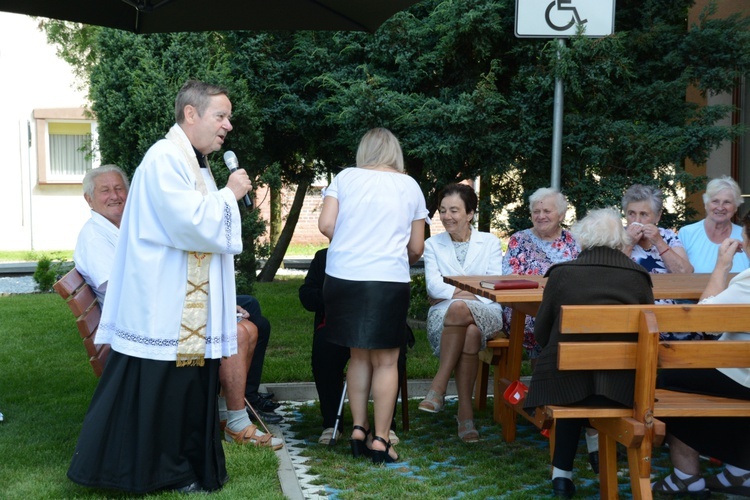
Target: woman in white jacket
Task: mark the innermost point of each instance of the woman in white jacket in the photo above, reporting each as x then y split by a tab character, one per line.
459	322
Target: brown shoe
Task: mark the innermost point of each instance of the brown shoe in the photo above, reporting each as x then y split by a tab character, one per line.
252	435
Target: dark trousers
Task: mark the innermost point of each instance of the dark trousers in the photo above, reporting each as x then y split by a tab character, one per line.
328	363
568	433
252	306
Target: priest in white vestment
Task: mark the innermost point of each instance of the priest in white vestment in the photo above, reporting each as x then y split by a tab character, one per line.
169	315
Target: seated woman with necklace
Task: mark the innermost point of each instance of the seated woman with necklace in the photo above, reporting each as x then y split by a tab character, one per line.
459	322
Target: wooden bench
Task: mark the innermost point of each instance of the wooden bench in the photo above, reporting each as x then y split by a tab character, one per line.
639	429
85	307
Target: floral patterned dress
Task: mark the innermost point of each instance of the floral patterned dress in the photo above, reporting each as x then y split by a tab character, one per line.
529	254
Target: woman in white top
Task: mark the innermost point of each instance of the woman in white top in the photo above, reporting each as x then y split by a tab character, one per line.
702	239
725	439
459	322
374	216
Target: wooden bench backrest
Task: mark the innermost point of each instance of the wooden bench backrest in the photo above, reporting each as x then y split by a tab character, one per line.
85	307
667	318
637	428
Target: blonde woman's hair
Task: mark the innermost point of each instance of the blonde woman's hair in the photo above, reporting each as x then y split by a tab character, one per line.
601	228
380	147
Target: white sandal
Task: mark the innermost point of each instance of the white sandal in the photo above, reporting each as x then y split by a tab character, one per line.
432	402
467	431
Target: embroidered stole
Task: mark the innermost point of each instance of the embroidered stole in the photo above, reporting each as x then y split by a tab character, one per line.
191	346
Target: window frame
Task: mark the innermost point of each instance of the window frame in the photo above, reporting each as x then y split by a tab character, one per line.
42	119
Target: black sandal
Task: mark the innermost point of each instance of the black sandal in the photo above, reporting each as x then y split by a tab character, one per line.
380	456
662	488
359	446
735	484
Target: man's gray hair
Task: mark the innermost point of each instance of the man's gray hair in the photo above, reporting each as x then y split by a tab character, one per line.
91	175
718	185
561	203
197	94
601	228
638	192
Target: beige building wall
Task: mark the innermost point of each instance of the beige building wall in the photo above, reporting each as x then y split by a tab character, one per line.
34	216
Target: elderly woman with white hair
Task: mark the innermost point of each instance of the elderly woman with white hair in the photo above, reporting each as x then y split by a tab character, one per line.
703	238
602	274
534	250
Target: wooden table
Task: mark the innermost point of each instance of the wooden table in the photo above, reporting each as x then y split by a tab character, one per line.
526	301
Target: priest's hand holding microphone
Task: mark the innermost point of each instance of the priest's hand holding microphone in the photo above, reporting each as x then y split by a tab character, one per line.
239	181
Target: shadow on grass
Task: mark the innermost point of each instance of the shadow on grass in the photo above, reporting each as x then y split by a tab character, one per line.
436	464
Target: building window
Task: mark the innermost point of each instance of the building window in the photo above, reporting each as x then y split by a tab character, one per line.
64	140
68	146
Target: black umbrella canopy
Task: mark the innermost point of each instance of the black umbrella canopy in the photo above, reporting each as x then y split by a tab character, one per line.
164	16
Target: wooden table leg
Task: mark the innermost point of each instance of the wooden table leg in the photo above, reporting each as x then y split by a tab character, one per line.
510	369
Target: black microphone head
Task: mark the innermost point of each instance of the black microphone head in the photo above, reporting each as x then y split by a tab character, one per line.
231	160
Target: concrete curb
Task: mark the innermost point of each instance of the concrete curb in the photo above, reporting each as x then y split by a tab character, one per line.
290	486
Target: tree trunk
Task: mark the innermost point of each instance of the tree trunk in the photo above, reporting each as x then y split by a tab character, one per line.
485	203
279	250
274	230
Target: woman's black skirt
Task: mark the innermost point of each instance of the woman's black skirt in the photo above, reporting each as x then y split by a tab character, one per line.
366	314
151	426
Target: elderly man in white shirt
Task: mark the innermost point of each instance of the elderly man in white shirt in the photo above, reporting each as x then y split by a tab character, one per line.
105	190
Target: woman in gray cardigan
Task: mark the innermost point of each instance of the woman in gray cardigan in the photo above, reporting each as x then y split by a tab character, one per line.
602	274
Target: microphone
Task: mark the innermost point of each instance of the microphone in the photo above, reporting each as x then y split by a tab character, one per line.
233	164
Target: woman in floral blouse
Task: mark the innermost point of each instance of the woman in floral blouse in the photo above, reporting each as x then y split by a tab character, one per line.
534	250
657	249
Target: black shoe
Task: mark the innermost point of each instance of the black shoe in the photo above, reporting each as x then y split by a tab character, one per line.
594	461
359	446
262	404
266	395
563	487
268	417
382	456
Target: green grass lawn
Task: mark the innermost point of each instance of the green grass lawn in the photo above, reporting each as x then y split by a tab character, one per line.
46	384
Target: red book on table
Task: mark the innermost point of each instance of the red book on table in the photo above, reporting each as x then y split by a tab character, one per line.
508	284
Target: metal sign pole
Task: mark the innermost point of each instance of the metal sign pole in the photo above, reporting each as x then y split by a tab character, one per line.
560	19
557	125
